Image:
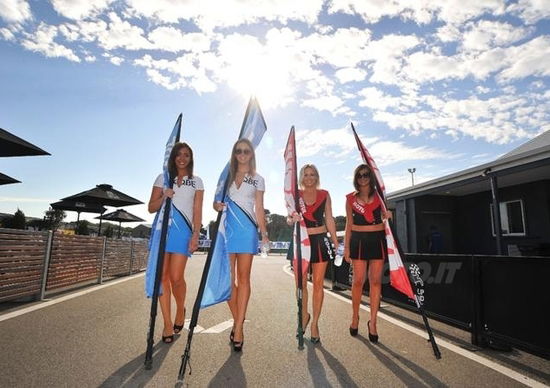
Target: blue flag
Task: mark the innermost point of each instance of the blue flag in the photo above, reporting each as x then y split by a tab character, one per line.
156	232
218	282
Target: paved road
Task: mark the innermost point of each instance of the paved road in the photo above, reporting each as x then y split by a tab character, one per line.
98	339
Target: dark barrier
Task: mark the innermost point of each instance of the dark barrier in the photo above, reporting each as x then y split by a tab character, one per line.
515	301
500	300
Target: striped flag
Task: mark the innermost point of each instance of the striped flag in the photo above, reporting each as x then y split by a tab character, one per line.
398	274
156	230
218	282
292	199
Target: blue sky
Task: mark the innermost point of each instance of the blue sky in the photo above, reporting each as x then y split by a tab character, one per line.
439	86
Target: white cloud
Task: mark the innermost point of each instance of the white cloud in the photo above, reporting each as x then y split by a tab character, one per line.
529	59
116	60
42	41
174	40
421	12
6	34
376	99
331	104
332	142
390	152
121	33
349	74
486	34
80	9
211	14
531	10
15	11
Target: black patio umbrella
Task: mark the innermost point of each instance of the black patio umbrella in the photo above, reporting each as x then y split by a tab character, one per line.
5	180
104	195
11	145
121	216
79	207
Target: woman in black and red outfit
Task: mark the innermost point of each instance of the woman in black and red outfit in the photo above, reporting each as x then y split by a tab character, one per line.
365	245
317	212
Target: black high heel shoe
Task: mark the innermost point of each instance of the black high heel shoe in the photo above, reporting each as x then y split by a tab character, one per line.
354	331
372	337
232	335
179	328
238	346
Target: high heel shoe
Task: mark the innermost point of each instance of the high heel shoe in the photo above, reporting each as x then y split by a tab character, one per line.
353	331
238	346
232	335
372	337
179	328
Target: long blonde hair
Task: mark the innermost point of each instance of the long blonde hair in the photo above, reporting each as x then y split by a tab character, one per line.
234	164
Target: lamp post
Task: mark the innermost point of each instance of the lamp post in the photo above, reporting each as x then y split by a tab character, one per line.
412	171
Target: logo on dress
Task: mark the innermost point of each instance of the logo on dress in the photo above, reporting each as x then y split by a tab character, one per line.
250	181
186	182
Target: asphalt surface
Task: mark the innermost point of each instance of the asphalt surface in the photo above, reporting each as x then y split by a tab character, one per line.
99	339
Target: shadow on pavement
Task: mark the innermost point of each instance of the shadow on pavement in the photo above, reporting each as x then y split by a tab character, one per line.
317	371
388	358
231	373
134	374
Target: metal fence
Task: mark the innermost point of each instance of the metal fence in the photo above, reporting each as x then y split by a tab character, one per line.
502	301
33	263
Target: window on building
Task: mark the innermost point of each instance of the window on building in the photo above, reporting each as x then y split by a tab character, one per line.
512	218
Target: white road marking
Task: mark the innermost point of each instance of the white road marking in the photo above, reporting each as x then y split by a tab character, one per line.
220	327
41	305
463	352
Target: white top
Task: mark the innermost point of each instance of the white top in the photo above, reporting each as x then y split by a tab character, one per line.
184	195
245	195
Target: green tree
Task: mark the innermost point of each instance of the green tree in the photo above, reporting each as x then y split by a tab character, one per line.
108	231
17	221
278	229
82	228
340	222
53	218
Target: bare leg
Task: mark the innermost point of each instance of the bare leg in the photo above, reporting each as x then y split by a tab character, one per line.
243	268
375	290
359	275
319	270
305	314
179	287
164	299
232	302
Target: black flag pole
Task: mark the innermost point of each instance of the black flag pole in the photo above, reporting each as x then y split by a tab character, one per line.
416	299
297	245
160	263
185	358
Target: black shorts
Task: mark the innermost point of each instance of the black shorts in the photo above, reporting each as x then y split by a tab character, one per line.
321	248
368	245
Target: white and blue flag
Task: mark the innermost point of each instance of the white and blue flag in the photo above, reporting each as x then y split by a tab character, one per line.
156	230
218	282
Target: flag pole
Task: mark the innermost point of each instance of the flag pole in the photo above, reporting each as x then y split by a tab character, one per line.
298	250
419	306
421	310
196	307
185	358
158	270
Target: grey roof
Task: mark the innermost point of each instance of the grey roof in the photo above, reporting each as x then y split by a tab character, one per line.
535	152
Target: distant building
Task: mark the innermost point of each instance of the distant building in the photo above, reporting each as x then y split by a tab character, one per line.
461	207
142	231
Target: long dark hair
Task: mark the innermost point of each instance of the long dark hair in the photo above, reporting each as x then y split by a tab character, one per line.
172	169
372	178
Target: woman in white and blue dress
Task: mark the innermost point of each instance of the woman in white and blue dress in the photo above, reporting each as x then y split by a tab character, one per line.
183	232
245	215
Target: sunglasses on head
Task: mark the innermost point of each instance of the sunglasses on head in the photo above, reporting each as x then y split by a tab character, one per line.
239	151
364	175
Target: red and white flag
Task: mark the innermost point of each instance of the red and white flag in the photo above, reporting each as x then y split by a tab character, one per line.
398	274
295	205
